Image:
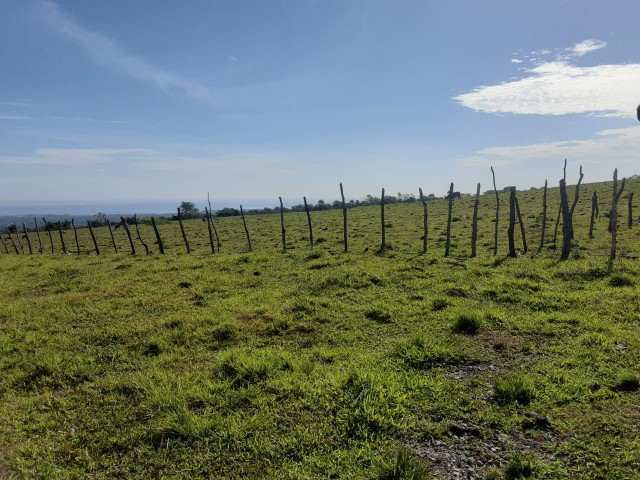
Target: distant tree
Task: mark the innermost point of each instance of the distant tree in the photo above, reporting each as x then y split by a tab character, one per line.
228	212
189	210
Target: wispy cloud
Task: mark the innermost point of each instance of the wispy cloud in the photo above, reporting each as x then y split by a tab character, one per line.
559	87
16	104
14	117
77	156
107	52
613	146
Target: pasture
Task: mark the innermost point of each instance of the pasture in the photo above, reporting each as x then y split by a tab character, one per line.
313	363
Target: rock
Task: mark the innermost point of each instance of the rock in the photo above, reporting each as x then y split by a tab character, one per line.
539	421
621	346
461	430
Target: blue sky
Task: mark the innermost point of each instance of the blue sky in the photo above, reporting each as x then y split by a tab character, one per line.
159	100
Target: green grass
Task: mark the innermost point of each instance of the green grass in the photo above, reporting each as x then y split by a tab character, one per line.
320	364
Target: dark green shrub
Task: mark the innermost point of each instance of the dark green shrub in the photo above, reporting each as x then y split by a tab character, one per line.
467	323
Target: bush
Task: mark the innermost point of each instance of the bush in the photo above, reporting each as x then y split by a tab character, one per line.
513	388
467	323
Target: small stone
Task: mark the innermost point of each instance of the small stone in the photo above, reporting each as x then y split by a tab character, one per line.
621	346
540	421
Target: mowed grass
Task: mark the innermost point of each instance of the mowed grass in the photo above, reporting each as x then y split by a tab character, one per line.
313	363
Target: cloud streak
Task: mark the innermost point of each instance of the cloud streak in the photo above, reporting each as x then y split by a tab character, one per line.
105	51
559	87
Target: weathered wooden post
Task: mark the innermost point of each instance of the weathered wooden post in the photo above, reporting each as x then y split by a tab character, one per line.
135	221
544	215
474	223
24	229
425	222
15	247
93	237
246	230
384	241
38	234
213	224
284	232
495	234
4	244
575	200
211	242
567	227
113	240
555	231
525	249
64	247
306	207
512	222
126	229
158	239
46	224
448	244
15	227
75	234
344	219
630	221
613	217
184	235
594	213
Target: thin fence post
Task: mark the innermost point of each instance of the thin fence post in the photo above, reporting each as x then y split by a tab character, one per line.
113	239
246	230
522	231
544	215
594	213
46	224
575	201
512	222
630	221
135	221
64	246
4	244
38	233
474	223
567	234
384	242
448	244
158	239
306	207
425	222
284	232
93	237
495	235
15	247
555	231
613	217
184	235
24	229
126	229
211	242
344	220
75	234
15	227
213	224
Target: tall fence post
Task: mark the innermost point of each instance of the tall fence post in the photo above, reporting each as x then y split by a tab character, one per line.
113	239
384	240
344	220
425	222
135	221
184	235
555	231
158	239
448	244
630	221
15	247
246	230
284	232
93	237
75	234
512	222
525	249
544	215
575	201
4	244
126	229
209	230
474	222
306	207
495	235
46	224
24	229
613	217
15	228
64	246
38	234
594	213
213	224
567	227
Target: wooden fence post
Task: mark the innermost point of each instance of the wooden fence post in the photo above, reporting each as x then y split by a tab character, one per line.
495	235
246	230
575	201
135	221
425	222
284	232
567	226
525	249
613	217
208	215
384	240
306	207
64	246
75	234
4	244
213	225
448	244
184	235
15	247
544	215
512	222
113	240
126	229
630	222
24	229
158	239
93	237
344	220
474	223
38	233
594	213
15	227
46	224
555	231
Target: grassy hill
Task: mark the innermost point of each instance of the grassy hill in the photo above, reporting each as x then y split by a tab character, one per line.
318	364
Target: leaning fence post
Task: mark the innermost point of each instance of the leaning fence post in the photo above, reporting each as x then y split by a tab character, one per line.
126	229
448	244
384	243
613	217
474	223
344	220
555	231
211	242
594	213
135	221
522	231
38	233
75	234
575	201
4	244
284	233
15	247
512	222
544	215
630	222
184	235
93	237
113	240
64	247
158	239
495	235
425	222
306	207
15	227
24	229
567	233
246	230
213	225
46	224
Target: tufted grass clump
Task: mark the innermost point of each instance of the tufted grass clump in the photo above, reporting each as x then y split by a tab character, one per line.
621	280
378	312
467	323
521	465
403	466
513	388
627	382
422	352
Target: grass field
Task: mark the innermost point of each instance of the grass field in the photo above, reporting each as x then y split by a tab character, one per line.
318	364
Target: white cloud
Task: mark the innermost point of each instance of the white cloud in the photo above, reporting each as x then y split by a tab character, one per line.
106	51
560	88
77	156
610	147
14	117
